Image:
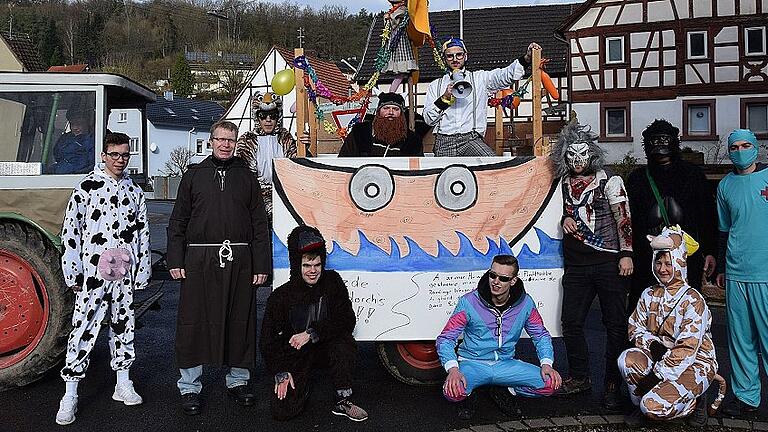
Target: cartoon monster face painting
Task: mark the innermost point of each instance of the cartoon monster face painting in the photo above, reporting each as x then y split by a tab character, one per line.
434	209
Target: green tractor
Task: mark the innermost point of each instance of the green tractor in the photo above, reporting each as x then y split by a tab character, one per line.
40	163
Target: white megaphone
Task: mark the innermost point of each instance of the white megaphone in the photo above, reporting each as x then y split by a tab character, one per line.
461	87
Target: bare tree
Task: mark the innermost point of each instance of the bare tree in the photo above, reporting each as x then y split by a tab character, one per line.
177	162
715	152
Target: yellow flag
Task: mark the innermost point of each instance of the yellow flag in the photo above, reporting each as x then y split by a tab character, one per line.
418	25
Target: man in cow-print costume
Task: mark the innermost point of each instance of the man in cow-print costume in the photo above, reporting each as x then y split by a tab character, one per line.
106	257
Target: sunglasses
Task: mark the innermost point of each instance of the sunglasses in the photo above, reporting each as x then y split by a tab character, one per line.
271	115
493	275
117	155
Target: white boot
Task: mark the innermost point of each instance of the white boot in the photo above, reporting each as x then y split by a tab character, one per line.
126	394
67	410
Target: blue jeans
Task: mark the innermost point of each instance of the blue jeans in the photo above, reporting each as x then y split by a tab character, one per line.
190	378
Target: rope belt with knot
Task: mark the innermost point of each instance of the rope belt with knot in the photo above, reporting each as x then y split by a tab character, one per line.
225	250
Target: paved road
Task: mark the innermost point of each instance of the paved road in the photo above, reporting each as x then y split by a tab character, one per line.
391	405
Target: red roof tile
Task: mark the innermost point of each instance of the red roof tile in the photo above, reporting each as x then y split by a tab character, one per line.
69	68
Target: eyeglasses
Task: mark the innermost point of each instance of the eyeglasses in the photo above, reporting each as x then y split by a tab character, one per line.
493	275
229	140
117	155
272	115
457	56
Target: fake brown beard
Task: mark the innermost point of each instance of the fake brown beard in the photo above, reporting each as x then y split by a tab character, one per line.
389	132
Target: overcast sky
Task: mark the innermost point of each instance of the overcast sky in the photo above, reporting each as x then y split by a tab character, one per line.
434	5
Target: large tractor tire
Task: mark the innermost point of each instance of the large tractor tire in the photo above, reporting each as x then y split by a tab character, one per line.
414	363
35	305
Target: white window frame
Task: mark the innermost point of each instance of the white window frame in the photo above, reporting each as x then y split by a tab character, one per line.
122	117
626	122
134	149
200	146
746	41
688	44
608	41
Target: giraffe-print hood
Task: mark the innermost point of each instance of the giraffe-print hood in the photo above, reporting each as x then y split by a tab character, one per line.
679	245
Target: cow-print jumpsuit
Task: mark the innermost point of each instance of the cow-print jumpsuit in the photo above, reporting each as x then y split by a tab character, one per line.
103	213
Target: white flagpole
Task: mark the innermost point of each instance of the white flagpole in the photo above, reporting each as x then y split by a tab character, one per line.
461	19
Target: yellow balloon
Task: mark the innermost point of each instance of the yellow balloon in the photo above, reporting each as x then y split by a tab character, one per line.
283	82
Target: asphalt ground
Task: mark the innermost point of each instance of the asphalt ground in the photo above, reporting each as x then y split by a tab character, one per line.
391	405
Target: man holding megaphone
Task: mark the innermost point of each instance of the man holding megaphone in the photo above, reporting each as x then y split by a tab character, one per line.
457	103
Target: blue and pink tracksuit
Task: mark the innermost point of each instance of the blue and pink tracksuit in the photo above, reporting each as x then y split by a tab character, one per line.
486	355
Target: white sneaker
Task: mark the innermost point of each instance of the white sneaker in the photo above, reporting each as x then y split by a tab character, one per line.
126	394
67	410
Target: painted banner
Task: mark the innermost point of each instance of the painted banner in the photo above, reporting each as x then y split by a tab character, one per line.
412	235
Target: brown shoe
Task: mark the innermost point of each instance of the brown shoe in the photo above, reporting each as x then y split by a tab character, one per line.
575	385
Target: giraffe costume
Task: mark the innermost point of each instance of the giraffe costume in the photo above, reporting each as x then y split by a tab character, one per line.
673	361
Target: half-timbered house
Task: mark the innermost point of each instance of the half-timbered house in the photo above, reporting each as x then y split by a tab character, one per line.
700	64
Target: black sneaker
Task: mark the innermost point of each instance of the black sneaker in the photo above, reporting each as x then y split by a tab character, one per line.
635	419
699	416
349	410
575	385
612	400
506	402
737	408
468	407
191	403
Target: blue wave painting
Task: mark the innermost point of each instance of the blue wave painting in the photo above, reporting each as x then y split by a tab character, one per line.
372	258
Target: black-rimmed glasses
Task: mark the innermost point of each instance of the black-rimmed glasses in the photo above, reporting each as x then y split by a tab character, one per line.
117	155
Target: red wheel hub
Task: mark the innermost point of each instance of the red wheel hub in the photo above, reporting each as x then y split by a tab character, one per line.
23	308
421	355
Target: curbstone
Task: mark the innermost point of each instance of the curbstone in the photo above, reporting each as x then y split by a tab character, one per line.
735	423
485	428
538	423
513	425
713	422
761	426
565	421
614	418
592	420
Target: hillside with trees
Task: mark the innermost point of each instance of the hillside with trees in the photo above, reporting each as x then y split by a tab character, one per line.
144	40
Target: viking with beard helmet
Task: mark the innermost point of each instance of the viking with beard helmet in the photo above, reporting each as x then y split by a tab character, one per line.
268	140
597	248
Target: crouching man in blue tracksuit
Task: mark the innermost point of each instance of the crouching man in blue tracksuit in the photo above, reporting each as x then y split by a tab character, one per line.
491	318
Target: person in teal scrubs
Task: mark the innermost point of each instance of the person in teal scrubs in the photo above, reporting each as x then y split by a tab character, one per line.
742	206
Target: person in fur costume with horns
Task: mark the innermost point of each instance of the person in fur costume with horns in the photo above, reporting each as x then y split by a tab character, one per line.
268	140
597	248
